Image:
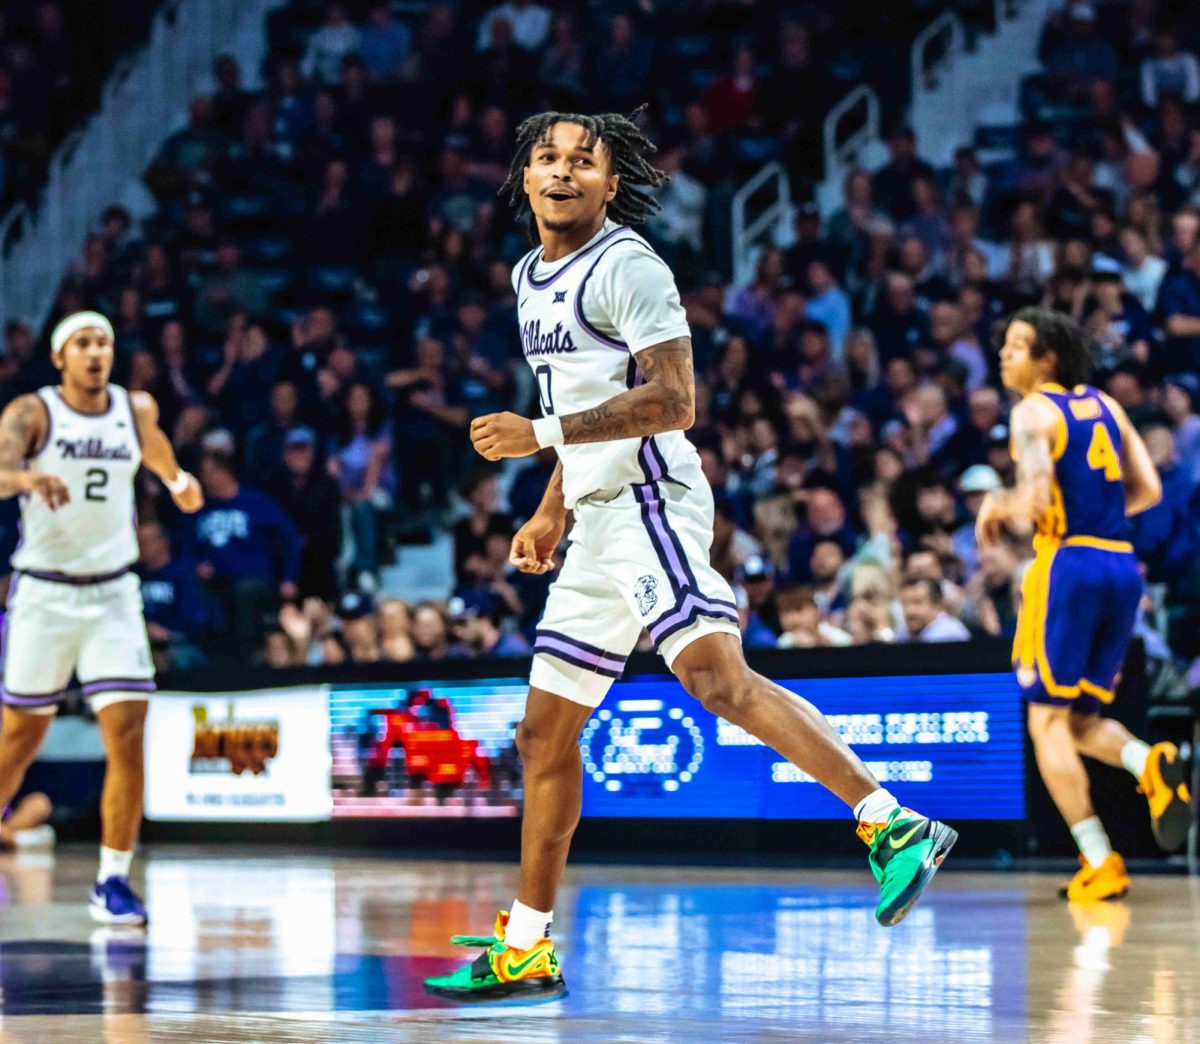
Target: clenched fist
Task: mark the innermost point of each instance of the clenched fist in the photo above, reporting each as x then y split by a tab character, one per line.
500	435
534	543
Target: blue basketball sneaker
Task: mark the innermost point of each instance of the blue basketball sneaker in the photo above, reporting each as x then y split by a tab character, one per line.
114	902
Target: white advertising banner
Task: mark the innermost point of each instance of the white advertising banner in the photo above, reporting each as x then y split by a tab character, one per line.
258	756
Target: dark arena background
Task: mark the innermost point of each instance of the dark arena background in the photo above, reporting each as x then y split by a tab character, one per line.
289	210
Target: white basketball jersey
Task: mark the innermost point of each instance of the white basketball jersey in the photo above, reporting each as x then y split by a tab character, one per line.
96	457
583	319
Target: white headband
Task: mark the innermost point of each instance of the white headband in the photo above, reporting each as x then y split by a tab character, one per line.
72	324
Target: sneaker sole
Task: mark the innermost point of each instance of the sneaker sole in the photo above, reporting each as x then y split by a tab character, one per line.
101	916
1171	828
541	988
943	840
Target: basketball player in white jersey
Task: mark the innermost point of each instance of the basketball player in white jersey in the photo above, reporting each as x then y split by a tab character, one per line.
604	331
74	605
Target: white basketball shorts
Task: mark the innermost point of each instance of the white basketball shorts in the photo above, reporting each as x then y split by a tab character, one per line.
56	628
639	557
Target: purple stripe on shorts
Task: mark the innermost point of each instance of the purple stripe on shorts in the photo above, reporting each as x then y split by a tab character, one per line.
680	573
651	462
42	699
74	581
678	623
119	685
545	643
692	603
577	661
581	646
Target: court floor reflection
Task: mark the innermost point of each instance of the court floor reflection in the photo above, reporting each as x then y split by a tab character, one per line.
274	945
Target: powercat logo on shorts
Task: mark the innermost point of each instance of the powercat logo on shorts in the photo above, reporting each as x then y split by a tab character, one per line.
554	342
91	449
646	593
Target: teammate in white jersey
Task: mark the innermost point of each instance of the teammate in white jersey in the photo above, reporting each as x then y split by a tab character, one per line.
604	331
74	605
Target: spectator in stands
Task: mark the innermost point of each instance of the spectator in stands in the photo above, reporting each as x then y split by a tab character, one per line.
248	552
1180	396
801	622
1179	303
755	304
1171	70
1118	324
563	67
677	230
622	69
825	519
229	101
951	338
992	593
829	305
336	39
360	459
1142	271
359	627
429	411
894	183
188	157
976	482
227	291
385	44
530	23
1082	58
395	625
313	501
925	618
264	443
176	614
849	226
431	633
1165	536
251	364
475	622
731	96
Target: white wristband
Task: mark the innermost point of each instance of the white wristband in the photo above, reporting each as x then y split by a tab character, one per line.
179	483
548	431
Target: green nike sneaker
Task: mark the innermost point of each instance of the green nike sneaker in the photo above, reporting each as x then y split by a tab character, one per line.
906	852
501	971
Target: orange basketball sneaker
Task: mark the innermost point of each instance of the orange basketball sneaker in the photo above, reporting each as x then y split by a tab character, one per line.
501	971
1166	790
1094	884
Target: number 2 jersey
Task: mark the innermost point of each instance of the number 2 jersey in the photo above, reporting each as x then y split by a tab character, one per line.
96	456
583	319
1088	494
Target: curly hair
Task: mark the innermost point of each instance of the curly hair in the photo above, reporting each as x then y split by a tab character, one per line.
1060	334
629	153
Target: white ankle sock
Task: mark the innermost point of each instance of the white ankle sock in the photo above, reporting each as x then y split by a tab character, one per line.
526	925
875	807
113	864
1133	757
1092	840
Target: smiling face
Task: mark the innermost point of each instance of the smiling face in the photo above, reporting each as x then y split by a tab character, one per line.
86	360
568	180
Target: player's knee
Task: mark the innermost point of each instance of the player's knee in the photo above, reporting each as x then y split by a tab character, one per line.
22	736
124	734
721	691
541	747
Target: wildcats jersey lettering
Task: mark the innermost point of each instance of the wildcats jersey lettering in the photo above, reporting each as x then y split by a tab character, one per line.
583	319
96	457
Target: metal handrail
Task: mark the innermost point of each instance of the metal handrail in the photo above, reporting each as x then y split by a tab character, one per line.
745	235
839	155
946	24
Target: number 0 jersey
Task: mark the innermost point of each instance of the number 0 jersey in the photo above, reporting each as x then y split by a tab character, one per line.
93	534
1088	494
583	319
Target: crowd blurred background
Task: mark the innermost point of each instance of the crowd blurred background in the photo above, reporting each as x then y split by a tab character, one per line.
322	301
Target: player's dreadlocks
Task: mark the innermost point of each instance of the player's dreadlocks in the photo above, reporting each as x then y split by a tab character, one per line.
629	150
1064	337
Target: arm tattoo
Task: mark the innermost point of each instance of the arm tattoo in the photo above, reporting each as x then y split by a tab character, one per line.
664	402
1035	471
19	429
